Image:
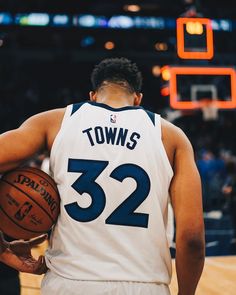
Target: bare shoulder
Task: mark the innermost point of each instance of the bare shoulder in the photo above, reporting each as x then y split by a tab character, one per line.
174	135
54	116
174	140
35	134
47	123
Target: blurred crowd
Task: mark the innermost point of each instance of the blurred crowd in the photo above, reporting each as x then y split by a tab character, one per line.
214	143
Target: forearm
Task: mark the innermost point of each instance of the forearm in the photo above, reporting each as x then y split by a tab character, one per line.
9	166
11	155
4	256
5	252
19	145
189	265
12	260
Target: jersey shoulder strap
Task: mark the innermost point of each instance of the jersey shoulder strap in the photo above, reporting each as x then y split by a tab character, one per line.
76	106
152	116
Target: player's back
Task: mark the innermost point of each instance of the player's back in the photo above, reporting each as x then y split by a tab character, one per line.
113	176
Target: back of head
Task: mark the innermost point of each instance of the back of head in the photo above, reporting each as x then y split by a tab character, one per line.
120	71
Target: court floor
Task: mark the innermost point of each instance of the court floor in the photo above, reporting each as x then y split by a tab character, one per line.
219	277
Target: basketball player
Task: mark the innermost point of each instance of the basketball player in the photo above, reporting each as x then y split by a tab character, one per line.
115	165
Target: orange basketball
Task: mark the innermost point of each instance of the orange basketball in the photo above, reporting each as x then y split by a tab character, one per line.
29	203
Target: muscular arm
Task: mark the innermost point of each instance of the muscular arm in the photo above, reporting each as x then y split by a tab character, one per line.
186	200
16	146
35	134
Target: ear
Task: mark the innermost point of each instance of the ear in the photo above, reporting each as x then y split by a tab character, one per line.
138	98
93	96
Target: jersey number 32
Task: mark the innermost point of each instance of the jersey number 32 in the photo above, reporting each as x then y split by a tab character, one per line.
124	214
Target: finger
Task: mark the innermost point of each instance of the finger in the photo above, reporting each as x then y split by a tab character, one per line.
3	243
41	267
19	263
29	264
38	240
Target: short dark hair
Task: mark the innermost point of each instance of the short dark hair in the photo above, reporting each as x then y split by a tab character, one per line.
117	70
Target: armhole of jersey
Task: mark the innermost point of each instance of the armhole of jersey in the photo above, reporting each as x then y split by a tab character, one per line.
163	151
59	135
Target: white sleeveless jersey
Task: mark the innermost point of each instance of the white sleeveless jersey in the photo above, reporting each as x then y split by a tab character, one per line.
113	176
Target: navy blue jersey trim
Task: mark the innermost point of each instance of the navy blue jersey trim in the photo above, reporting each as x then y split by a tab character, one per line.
151	116
76	106
102	105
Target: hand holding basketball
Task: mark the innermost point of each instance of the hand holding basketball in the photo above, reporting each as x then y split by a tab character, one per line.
29	203
17	254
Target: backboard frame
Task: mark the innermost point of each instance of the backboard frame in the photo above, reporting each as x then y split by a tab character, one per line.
182	53
176	104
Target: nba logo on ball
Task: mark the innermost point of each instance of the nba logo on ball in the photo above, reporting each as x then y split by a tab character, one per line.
113	118
23	211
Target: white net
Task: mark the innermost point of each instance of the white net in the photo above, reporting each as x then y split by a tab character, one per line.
210	112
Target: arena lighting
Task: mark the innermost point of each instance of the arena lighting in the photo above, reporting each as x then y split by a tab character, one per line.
161	46
87	41
194	26
87	21
165	91
221	25
120	22
132	8
101	21
6	19
33	19
156	71
60	20
109	45
174	91
165	73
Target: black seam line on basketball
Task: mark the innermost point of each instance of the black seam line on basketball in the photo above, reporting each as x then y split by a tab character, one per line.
28	196
33	231
22	170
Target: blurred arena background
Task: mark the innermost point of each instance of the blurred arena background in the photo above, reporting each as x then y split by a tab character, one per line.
48	49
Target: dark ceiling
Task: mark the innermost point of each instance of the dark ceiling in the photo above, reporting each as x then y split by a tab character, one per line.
172	8
48	67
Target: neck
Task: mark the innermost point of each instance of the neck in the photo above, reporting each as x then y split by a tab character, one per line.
115	97
114	102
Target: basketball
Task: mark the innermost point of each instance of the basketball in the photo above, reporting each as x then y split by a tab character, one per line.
29	203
